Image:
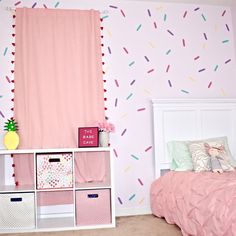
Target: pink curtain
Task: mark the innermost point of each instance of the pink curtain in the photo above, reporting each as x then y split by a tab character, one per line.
58	80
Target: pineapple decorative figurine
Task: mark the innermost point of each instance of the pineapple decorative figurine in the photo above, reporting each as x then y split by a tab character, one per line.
11	138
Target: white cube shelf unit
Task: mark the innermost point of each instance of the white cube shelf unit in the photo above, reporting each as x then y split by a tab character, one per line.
91	203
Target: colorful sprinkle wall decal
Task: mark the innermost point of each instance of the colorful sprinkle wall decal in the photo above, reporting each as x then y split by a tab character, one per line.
2	115
125	50
135	157
170	32
185	14
138	28
130	95
140	181
116	101
227	61
34	5
57	4
148	148
133	81
119	199
223	12
225	41
117	83
201	70
184	91
131	63
5	51
216	68
209	85
122	12
17	3
115	152
150	71
167	53
133	196
203	17
124	131
146	58
169	82
141	109
111	6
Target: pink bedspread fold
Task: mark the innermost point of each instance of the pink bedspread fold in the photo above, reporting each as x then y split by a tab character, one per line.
199	203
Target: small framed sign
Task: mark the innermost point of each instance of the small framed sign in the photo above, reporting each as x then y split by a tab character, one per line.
88	137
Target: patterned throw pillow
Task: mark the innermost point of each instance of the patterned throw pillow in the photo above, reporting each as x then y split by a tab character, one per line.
201	160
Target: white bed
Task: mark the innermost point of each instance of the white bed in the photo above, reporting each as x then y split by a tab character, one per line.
203	203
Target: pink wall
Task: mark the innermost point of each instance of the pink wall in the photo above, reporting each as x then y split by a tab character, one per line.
152	50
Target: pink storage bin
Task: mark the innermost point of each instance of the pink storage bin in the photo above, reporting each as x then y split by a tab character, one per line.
93	207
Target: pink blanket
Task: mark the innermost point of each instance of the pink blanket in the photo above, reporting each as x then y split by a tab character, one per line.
199	203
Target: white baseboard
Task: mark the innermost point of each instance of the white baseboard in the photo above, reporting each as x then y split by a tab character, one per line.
133	211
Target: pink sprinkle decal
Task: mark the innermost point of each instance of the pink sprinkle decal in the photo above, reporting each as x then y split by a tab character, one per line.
141	109
150	71
146	58
209	85
2	114
8	80
147	149
117	84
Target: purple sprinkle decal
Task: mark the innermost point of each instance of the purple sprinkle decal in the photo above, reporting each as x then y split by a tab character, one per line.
196	58
17	3
125	50
146	58
196	9
123	14
2	114
202	70
205	36
183	41
223	12
149	13
109	50
140	181
227	27
170	32
147	149
228	61
155	24
113	7
34	5
169	82
184	91
116	102
120	200
45	6
167	69
185	13
132	82
114	150
123	132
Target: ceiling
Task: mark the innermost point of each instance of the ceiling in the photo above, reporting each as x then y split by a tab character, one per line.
208	2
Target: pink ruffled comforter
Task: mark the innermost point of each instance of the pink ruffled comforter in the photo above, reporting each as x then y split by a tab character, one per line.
199	203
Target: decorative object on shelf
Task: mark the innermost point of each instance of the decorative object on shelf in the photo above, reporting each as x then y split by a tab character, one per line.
104	130
11	138
88	137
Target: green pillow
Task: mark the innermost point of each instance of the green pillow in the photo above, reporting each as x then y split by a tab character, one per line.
179	154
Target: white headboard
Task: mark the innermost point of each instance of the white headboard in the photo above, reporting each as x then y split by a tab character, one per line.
180	119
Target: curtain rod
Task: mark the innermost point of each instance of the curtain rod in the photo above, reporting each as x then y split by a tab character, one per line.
13	9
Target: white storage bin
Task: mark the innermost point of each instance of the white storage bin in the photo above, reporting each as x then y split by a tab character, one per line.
17	210
54	170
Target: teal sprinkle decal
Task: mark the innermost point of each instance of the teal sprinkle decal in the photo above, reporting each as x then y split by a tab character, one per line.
132	197
56	5
104	17
5	51
203	17
184	91
139	27
129	96
216	68
130	64
136	158
225	41
167	53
